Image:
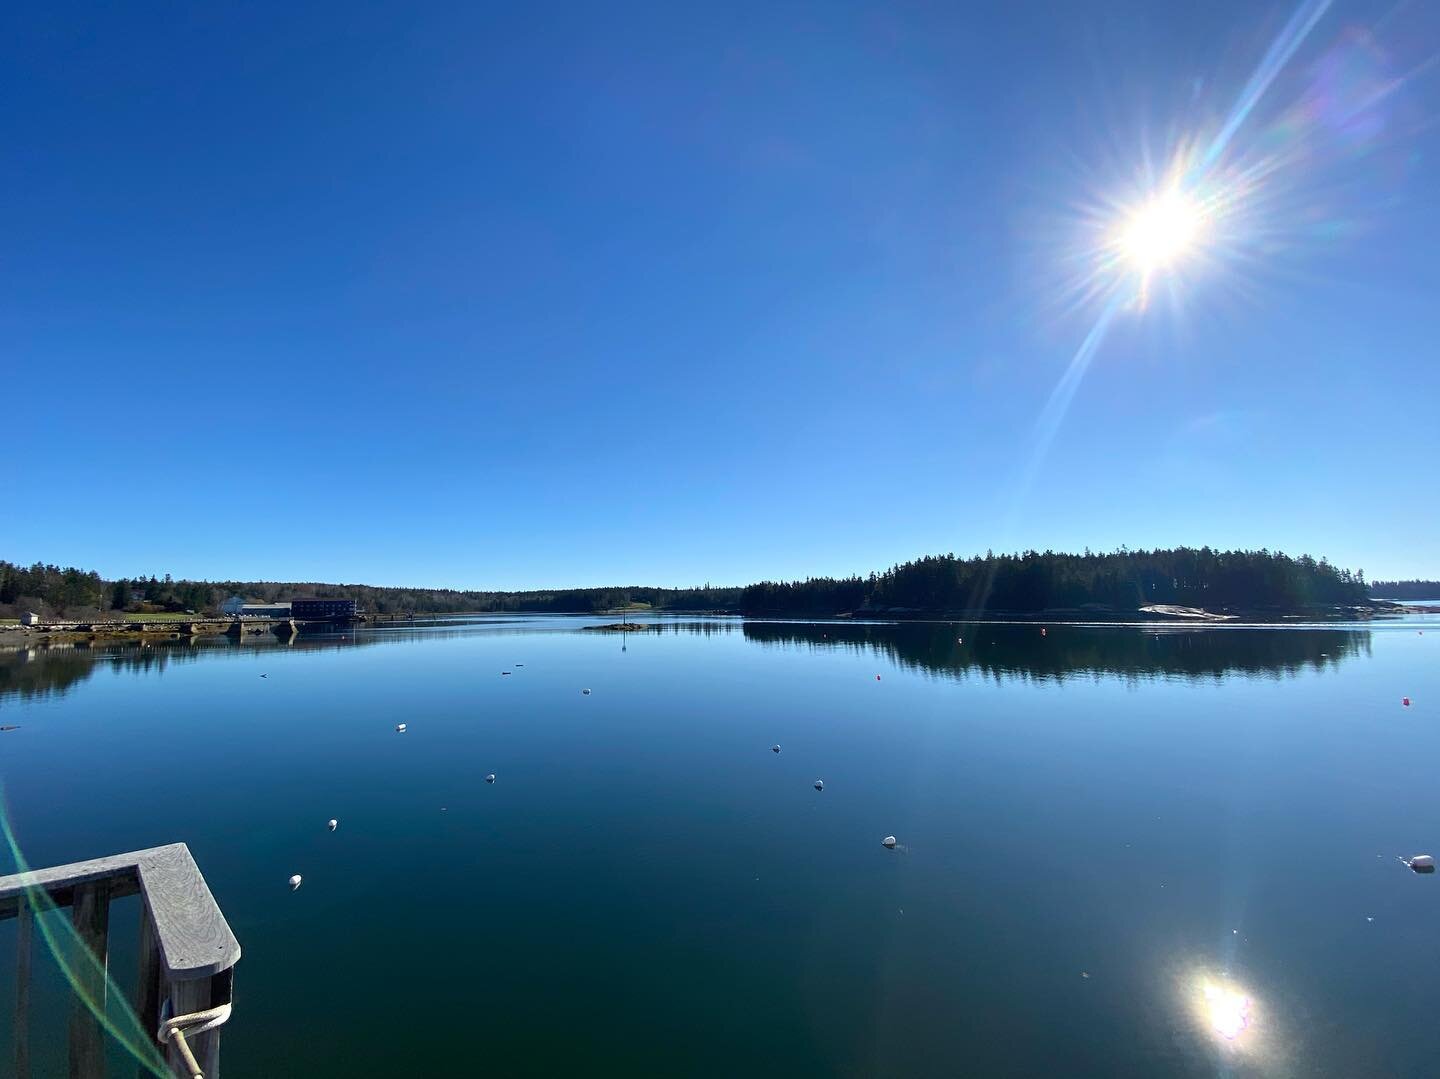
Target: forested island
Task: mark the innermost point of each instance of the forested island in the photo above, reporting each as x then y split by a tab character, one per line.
1032	582
1118	581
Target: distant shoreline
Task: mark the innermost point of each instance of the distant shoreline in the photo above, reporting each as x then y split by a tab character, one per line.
15	636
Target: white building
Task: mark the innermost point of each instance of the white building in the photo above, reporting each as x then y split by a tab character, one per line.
235	606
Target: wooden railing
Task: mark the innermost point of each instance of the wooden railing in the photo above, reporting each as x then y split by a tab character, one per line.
187	952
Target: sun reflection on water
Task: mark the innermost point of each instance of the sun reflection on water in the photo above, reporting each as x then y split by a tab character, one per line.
1227	1010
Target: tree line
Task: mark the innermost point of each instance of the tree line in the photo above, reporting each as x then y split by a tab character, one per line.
1405	589
71	592
1032	581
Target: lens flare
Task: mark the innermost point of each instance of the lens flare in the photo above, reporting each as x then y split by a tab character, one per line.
80	966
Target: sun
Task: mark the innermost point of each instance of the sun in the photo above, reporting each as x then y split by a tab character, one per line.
1161	232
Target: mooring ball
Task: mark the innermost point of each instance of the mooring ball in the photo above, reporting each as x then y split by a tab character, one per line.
1423	863
490	778
819	784
295	882
586	692
333	823
774	749
889	841
400	728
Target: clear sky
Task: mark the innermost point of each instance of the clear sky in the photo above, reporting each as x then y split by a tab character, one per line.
538	295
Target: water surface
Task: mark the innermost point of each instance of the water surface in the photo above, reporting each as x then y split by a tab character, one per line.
1094	823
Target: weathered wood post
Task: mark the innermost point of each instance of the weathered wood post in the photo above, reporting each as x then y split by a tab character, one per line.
25	934
147	992
90	913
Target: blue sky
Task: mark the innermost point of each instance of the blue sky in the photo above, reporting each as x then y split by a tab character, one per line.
535	295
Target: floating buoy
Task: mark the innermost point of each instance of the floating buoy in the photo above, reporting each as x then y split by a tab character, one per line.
490	778
332	824
295	882
1405	701
399	728
819	784
774	749
1043	631
586	692
877	678
1421	863
959	640
889	842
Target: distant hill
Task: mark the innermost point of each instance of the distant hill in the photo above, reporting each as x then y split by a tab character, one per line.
1405	589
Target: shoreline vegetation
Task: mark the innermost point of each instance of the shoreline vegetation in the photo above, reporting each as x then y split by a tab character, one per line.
1186	585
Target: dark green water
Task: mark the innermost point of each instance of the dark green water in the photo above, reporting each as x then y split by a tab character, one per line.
647	889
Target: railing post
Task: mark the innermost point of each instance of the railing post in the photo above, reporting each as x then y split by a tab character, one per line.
90	912
24	935
147	994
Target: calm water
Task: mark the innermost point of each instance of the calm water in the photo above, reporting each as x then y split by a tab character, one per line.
1093	823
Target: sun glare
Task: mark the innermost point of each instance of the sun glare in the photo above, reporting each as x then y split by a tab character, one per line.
1161	232
1227	1010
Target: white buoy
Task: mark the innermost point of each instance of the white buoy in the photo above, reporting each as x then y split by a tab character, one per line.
586	692
490	778
1422	863
295	882
889	842
332	824
399	728
819	784
774	749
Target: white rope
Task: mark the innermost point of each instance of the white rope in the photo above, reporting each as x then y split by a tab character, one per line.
202	1021
199	1022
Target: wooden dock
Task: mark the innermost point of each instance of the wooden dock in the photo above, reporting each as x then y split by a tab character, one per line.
187	956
